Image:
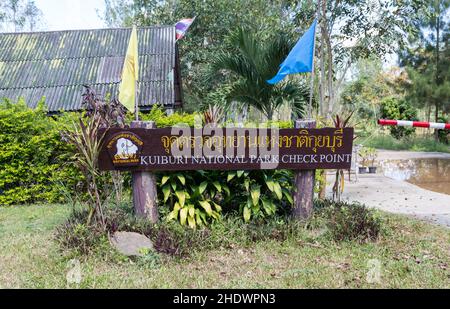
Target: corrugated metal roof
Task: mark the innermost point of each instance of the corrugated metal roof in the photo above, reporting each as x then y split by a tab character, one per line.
56	65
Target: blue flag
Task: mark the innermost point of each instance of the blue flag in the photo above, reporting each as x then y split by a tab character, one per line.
300	59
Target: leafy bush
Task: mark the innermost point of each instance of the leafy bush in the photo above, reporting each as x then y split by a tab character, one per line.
78	235
198	198
33	159
396	109
37	166
350	221
443	135
195	196
261	194
162	120
342	221
170	237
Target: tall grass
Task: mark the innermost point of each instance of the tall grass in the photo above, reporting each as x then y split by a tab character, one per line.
415	143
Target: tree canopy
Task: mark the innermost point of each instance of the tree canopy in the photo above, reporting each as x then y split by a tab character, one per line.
427	60
19	15
350	30
208	36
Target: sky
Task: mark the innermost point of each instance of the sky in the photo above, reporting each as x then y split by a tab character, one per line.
71	14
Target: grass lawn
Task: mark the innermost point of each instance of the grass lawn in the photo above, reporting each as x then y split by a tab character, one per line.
412	255
415	143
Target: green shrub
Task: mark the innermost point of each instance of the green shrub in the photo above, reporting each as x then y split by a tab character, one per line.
76	234
396	109
350	221
34	161
414	143
443	135
170	237
162	120
37	166
159	116
261	194
198	198
195	196
341	221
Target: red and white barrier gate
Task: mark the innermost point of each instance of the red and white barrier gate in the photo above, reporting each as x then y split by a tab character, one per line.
415	124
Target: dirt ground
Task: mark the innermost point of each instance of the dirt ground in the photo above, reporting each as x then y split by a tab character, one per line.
399	196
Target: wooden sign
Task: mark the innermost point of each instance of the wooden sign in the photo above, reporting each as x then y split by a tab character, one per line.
213	148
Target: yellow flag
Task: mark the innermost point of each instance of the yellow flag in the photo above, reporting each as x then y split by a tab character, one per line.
130	74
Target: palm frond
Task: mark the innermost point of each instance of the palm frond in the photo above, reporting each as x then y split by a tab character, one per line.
249	68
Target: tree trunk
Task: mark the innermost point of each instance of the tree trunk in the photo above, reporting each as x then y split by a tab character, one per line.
429	131
329	60
323	108
436	118
269	115
436	132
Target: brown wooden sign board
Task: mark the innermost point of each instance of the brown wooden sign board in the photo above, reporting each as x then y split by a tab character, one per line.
172	149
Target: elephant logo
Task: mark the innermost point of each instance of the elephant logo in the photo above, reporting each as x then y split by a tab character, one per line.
126	148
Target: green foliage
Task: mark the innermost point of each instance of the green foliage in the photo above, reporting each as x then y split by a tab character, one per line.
207	36
443	135
78	235
251	63
34	161
198	198
195	196
350	221
162	120
427	60
262	193
375	33
370	86
86	137
392	108
340	221
170	238
413	143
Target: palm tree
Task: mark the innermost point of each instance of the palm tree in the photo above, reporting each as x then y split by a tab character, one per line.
249	67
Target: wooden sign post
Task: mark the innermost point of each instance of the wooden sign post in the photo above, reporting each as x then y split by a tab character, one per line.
304	183
144	186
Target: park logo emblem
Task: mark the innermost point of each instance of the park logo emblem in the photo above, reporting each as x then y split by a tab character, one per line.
125	149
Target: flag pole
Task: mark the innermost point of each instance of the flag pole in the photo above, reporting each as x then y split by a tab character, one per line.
136	100
136	86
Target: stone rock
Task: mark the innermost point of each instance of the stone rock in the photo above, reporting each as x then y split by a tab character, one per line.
131	244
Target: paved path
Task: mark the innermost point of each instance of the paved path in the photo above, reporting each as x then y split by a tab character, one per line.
398	196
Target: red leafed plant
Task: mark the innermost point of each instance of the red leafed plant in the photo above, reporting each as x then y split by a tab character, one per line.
87	139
